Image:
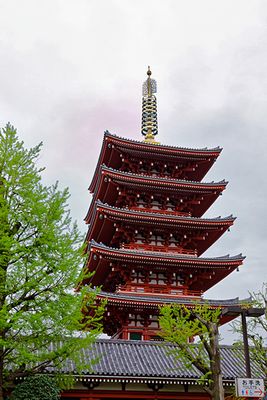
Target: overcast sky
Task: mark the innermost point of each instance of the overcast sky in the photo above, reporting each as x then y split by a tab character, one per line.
70	69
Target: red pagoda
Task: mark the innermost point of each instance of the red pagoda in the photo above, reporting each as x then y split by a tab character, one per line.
146	230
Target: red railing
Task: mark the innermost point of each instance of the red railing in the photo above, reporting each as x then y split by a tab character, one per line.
162	249
159	211
159	289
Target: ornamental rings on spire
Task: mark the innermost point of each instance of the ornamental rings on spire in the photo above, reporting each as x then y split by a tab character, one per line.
149	109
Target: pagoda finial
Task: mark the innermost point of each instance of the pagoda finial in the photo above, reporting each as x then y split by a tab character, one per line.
149	109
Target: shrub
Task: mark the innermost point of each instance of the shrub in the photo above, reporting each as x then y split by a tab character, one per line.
37	387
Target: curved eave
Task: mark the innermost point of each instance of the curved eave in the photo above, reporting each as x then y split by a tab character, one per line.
205	231
158	218
130	143
160	300
110	140
123	301
106	175
160	181
209	271
147	256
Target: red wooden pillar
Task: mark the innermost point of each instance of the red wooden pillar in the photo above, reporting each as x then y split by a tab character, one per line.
125	334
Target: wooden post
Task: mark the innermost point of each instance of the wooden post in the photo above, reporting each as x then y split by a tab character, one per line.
245	340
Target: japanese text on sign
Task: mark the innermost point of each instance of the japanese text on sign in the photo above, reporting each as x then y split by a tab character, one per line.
247	387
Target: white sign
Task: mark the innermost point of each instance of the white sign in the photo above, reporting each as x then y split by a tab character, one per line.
248	387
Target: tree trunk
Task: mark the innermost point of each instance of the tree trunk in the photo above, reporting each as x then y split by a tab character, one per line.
1	381
1	393
217	388
215	362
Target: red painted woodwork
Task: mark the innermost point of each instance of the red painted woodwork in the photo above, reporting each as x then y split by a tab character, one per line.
119	153
125	395
181	291
146	232
163	249
116	187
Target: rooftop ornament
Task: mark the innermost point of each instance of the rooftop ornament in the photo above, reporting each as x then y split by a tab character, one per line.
149	109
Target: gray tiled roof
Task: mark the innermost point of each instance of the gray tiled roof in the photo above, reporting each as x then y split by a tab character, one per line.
170	256
134	146
132	359
205	149
162	180
172	217
134	297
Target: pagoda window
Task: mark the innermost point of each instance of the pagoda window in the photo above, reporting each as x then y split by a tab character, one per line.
156	240
138	277
177	280
136	320
138	238
155	204
153	322
170	206
140	202
153	240
157	279
173	242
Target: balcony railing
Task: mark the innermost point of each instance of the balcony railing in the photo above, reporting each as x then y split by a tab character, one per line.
162	249
160	211
159	290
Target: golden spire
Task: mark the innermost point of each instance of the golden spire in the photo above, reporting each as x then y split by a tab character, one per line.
149	109
149	81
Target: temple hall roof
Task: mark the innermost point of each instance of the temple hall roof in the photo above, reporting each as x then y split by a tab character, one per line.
143	361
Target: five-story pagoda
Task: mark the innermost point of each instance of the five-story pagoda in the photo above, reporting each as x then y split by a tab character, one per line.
146	233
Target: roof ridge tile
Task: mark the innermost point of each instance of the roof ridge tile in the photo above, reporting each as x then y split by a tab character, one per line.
113	135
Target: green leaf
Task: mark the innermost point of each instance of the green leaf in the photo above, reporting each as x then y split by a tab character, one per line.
41	259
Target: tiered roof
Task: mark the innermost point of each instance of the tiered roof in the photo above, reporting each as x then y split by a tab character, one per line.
103	214
113	146
206	230
101	257
118	173
109	178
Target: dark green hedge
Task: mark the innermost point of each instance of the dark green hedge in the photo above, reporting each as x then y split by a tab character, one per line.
37	387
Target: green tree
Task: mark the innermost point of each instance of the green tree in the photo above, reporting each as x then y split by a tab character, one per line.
37	387
179	324
256	329
40	264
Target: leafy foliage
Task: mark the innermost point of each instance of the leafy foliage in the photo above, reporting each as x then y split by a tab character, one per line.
180	325
40	264
38	387
257	330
